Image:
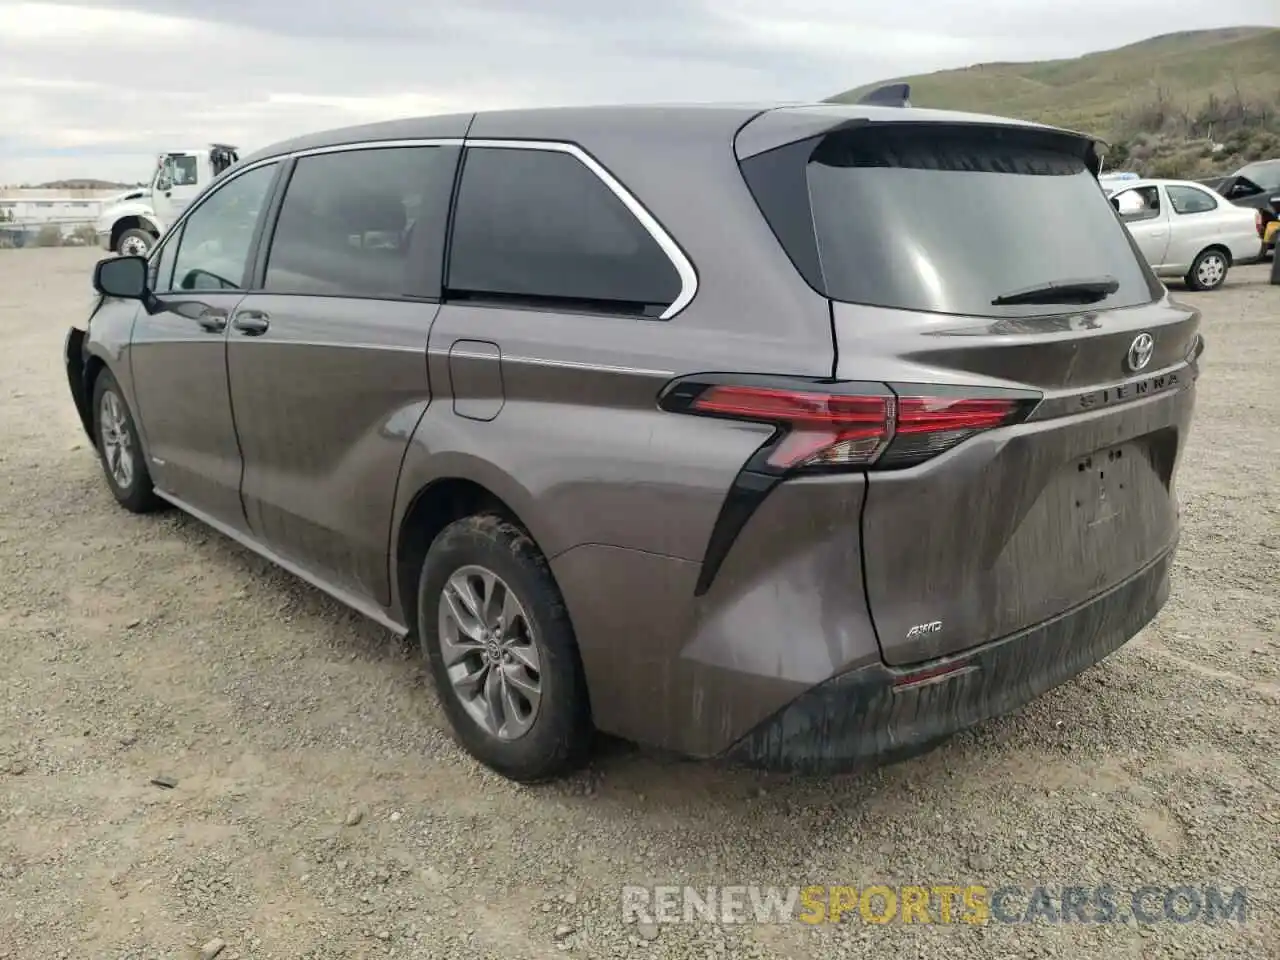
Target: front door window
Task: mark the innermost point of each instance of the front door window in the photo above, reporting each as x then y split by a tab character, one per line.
214	249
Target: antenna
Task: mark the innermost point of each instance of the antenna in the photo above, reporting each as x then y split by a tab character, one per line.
893	95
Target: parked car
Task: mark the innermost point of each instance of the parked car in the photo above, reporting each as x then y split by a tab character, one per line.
692	425
1255	185
1186	231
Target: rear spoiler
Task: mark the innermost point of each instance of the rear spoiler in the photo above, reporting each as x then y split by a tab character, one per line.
793	124
893	95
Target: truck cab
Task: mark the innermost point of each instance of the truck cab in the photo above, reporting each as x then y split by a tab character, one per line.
133	223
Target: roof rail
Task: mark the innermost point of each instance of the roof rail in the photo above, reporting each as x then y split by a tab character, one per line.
892	95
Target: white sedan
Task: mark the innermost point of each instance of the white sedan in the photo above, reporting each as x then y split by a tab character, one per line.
1185	230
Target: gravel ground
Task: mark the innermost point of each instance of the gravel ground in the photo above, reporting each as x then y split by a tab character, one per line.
320	809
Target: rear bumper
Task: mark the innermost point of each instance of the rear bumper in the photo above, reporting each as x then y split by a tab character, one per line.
868	716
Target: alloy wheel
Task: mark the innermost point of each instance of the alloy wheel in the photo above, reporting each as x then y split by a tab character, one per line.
117	444
489	652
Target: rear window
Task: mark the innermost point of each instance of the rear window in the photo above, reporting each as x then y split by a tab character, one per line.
945	220
1265	174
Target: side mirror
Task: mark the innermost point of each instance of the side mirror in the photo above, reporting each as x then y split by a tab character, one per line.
123	277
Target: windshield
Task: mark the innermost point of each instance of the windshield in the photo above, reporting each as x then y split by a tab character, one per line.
1265	173
948	221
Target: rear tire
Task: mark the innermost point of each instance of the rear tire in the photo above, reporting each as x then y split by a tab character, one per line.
1208	270
501	651
119	450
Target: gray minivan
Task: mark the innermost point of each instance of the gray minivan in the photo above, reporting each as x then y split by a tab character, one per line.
803	436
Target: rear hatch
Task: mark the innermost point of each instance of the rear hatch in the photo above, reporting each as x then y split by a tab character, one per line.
973	264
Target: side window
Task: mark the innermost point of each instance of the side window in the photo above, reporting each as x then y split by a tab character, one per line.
183	169
213	252
177	170
1267	178
161	266
1186	200
349	220
539	226
1140	203
1243	188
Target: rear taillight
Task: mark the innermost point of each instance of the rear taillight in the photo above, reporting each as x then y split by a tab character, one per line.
928	425
821	428
824	424
1259	222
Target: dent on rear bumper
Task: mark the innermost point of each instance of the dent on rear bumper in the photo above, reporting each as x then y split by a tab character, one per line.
859	719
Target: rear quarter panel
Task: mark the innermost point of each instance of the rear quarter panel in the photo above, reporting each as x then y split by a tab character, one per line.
1240	234
621	496
579	444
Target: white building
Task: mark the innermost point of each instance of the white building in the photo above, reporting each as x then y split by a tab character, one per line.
36	207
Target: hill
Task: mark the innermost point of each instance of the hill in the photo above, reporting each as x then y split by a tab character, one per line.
82	185
1200	85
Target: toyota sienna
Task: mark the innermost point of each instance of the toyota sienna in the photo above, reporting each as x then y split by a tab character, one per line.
801	436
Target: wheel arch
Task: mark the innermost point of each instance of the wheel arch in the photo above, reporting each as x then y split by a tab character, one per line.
1221	248
432	506
132	221
93	367
95	362
78	379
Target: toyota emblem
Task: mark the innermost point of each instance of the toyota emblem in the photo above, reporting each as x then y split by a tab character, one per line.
1140	351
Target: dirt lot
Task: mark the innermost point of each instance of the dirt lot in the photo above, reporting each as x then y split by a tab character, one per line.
322	811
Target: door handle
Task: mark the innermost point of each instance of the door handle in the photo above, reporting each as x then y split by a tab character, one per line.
213	322
251	323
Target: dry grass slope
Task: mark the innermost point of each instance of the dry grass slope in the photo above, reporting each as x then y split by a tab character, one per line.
1096	93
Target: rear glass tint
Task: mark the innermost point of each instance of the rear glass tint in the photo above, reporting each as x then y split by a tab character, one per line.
1265	174
539	227
947	220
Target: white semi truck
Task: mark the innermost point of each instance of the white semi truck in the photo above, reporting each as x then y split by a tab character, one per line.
133	222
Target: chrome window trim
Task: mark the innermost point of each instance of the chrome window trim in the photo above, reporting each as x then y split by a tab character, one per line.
237	172
375	145
683	265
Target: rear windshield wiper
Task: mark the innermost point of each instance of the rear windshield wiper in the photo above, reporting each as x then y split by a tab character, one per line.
1062	291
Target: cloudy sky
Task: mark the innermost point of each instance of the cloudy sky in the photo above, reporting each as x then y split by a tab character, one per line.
96	87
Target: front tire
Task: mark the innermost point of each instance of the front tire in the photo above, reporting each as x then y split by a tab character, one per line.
119	449
135	243
501	651
1208	270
